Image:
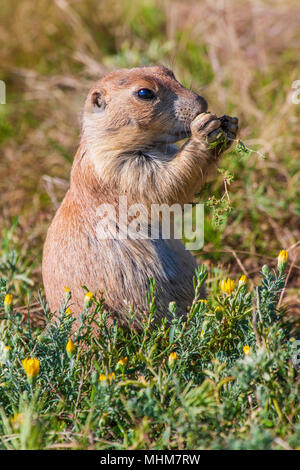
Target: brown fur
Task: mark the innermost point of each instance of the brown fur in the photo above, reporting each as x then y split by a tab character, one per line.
127	148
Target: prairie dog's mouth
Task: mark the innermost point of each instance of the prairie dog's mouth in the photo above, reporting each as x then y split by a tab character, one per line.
182	134
175	136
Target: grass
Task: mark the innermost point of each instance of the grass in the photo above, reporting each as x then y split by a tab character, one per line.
243	57
222	378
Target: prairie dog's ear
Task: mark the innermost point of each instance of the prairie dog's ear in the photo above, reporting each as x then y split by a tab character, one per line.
98	101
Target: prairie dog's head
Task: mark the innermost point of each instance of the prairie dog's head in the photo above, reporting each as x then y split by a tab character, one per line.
135	109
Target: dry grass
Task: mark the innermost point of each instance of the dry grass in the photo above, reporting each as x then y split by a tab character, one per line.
242	55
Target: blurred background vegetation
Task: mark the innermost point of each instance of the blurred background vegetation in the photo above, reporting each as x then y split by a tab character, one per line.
243	56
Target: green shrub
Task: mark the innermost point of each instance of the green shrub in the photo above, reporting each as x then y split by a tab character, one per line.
222	377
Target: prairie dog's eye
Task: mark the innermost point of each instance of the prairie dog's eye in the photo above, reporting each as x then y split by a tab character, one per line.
145	94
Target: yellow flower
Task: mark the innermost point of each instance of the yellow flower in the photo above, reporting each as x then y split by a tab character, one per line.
107	378
172	358
70	348
282	259
111	377
219	312
103	418
246	350
88	299
68	312
31	367
6	352
283	255
17	420
227	286
8	303
203	301
243	280
202	333
123	361
67	291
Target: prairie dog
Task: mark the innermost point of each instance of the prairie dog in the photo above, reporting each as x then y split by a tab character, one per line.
131	121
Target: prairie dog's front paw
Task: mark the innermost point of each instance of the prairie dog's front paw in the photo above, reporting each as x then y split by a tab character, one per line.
204	125
217	134
230	126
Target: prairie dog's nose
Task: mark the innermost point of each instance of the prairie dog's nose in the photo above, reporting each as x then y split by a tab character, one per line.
202	103
189	105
